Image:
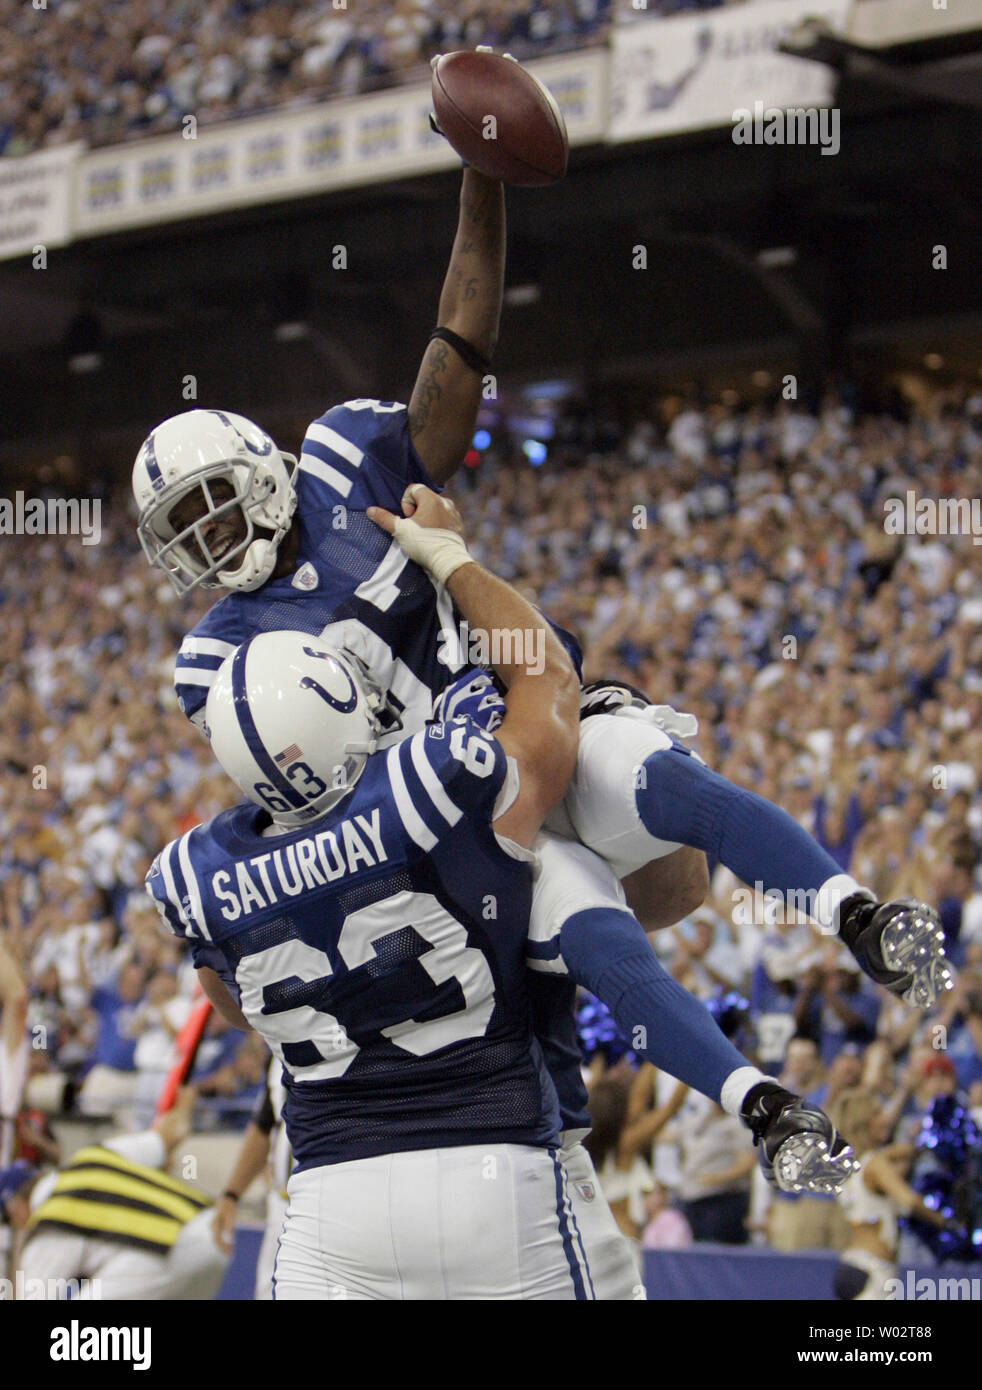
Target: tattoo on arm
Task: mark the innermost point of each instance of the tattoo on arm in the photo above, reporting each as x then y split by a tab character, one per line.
429	389
468	286
482	209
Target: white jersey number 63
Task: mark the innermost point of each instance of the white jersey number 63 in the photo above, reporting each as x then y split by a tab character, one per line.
279	986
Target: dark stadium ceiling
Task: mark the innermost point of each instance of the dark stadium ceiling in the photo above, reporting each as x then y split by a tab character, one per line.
757	256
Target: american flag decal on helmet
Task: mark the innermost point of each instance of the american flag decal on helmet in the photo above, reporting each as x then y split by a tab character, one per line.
289	755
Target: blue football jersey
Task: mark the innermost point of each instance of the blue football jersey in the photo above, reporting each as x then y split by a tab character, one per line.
380	951
353	585
553	999
476	695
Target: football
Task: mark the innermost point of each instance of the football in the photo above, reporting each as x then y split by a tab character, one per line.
499	118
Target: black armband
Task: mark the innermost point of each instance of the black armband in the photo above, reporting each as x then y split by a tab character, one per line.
463	348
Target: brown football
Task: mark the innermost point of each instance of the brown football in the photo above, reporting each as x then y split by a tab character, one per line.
499	118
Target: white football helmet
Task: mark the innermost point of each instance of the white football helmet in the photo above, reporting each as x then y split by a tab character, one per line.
292	723
193	451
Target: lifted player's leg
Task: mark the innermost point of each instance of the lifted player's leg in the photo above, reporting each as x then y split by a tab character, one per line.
638	794
580	926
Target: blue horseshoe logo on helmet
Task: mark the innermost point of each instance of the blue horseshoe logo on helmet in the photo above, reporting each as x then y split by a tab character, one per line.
344	706
251	447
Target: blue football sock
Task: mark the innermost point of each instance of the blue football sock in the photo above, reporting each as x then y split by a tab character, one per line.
607	952
682	799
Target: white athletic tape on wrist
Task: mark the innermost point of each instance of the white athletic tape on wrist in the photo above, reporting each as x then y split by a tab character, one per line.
438	550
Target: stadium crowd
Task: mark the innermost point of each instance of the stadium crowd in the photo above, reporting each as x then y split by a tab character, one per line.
735	563
730	560
120	71
124	71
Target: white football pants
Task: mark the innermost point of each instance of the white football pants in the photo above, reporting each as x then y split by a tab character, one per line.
490	1221
613	1260
276	1206
599	807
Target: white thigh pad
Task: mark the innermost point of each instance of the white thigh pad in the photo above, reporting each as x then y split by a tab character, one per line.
569	878
601	798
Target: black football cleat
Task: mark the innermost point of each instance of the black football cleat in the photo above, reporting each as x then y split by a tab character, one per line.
607	697
899	945
800	1149
616	697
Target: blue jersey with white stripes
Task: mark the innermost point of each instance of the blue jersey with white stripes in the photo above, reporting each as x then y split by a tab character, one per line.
380	951
476	695
353	585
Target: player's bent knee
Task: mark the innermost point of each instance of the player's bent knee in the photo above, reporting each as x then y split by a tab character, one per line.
602	799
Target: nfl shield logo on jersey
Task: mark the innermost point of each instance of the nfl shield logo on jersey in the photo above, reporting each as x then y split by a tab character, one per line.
305	577
587	1191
